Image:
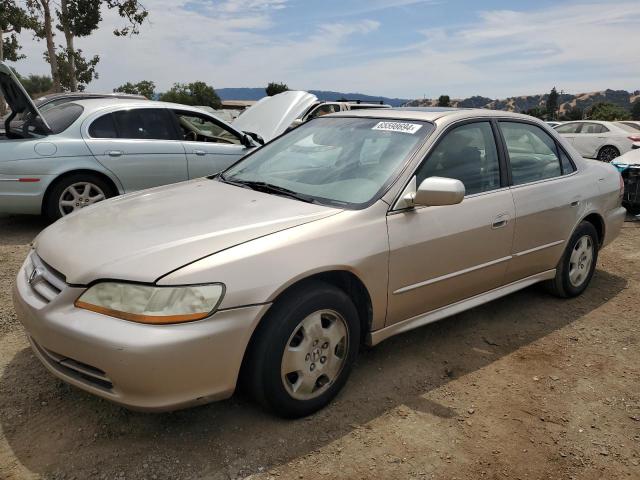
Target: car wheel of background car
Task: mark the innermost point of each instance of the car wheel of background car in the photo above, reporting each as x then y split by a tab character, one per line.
304	350
74	192
608	153
576	267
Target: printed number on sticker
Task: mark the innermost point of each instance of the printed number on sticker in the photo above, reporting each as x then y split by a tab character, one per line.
398	127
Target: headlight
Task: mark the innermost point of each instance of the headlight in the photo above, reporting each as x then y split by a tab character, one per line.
152	304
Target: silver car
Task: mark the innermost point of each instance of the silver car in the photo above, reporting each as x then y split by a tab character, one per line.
75	154
347	230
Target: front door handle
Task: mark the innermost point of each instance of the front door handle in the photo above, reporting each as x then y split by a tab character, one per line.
114	153
201	153
500	221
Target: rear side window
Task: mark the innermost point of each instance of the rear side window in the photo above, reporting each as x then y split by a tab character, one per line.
145	124
467	153
532	152
593	128
103	127
62	117
568	128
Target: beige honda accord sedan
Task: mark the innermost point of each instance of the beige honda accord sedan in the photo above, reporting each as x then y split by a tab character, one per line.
345	231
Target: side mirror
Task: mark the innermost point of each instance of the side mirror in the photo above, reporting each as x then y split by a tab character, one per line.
438	191
249	136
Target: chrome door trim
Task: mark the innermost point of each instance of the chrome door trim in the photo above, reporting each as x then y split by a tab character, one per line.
536	249
423	319
408	288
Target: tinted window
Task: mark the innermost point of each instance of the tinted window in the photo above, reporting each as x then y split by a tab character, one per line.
467	153
568	128
593	128
103	127
61	117
532	152
145	123
567	166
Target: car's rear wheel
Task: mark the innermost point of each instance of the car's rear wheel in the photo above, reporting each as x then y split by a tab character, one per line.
74	192
608	153
304	350
576	267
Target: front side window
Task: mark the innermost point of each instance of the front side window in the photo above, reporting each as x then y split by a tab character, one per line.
199	128
342	161
569	128
144	124
467	153
532	152
324	109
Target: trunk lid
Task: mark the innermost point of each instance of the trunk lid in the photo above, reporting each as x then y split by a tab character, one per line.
17	97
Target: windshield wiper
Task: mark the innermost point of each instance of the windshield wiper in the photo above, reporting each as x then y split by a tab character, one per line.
269	188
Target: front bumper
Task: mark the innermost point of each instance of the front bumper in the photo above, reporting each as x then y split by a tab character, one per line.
143	367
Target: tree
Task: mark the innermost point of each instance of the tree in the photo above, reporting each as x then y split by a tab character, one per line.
41	13
196	93
76	72
552	104
36	84
275	88
574	113
607	112
145	87
537	112
444	101
635	110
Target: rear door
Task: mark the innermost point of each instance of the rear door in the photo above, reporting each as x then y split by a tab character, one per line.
140	146
569	130
210	145
546	198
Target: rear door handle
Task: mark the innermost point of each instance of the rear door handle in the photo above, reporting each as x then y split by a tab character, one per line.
500	221
114	153
199	152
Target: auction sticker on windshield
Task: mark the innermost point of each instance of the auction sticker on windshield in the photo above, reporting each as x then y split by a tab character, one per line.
398	127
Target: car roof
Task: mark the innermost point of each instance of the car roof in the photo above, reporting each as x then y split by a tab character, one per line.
93	104
429	114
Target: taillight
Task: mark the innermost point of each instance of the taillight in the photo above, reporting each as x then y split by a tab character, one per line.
634	138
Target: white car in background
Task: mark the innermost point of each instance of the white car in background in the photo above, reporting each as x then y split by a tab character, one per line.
601	140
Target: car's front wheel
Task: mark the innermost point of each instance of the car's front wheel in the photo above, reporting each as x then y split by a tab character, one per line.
304	350
576	267
74	192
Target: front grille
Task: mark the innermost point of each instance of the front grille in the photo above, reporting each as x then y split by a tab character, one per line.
631	178
75	369
44	281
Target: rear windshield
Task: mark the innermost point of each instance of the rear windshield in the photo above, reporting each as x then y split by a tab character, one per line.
61	117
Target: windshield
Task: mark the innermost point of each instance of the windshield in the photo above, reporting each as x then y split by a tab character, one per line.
344	161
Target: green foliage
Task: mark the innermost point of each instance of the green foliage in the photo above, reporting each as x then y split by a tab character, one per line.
537	112
13	19
635	110
144	87
552	104
82	18
607	112
131	10
275	88
573	113
85	70
444	101
36	85
196	93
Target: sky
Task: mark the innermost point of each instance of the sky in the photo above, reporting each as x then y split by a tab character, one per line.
395	48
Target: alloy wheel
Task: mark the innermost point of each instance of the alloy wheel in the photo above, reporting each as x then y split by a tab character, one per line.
79	195
580	261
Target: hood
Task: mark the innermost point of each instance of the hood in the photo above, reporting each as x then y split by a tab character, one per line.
145	235
271	116
16	96
629	159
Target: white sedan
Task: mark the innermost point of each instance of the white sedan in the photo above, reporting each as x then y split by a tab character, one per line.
603	141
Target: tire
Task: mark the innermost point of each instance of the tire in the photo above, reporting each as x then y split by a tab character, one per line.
288	338
62	189
575	269
608	153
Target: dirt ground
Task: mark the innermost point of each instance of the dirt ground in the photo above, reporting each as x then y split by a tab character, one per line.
527	387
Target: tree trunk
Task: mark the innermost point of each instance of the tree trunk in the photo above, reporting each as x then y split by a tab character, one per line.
51	48
71	52
3	105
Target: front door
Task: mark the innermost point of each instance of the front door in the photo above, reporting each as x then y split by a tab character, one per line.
441	255
139	146
210	145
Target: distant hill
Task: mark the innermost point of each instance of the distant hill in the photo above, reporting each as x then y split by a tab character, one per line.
258	93
526	102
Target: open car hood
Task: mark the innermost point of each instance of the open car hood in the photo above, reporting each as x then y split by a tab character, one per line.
271	116
16	96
